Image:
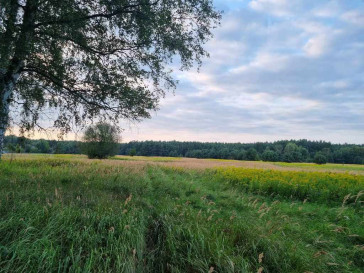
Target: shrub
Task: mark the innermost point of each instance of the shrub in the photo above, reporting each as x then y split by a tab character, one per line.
100	141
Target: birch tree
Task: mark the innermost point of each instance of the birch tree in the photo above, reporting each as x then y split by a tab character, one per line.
87	59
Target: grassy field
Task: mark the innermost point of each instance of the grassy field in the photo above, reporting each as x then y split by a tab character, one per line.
69	214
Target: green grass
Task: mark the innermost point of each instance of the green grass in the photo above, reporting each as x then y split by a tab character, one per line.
60	215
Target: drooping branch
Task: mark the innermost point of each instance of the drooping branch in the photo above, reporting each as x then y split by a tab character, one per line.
125	9
76	93
84	46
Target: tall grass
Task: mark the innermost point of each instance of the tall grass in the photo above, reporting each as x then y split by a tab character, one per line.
59	215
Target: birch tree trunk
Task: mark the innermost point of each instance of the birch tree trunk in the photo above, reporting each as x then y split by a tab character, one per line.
4	109
7	83
11	65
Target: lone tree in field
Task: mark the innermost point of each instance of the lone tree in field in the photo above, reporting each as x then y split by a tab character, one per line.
96	58
100	141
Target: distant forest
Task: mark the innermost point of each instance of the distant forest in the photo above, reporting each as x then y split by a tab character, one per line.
283	150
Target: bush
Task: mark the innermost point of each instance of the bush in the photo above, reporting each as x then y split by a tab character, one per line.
100	141
320	159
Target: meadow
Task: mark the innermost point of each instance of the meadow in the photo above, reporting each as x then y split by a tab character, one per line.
65	213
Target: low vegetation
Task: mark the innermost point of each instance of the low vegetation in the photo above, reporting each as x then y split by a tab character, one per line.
314	186
66	214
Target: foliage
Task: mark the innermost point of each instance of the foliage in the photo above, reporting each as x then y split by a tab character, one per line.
32	145
10	148
269	155
43	146
320	158
65	215
294	153
18	149
289	151
132	152
252	154
100	141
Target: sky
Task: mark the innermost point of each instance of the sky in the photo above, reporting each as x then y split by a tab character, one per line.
278	69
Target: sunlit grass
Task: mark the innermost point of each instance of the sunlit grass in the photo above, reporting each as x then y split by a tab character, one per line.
348	167
204	163
315	186
146	158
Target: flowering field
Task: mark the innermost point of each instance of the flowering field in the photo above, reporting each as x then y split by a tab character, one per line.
314	186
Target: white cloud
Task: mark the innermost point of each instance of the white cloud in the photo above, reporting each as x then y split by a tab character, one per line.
171	99
340	84
264	61
317	46
275	7
327	10
354	17
310	26
270	104
204	83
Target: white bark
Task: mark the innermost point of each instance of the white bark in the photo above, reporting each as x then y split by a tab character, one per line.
2	138
5	96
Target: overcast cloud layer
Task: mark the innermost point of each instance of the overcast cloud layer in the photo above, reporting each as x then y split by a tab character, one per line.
279	69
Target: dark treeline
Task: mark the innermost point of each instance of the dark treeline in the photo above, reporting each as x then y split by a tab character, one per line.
284	150
24	145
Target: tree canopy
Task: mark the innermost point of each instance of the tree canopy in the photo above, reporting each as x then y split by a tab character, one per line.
96	59
100	141
320	158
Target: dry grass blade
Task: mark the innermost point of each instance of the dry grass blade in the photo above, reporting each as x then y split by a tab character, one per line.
261	255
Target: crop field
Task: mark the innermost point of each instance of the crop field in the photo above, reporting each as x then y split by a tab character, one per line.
66	213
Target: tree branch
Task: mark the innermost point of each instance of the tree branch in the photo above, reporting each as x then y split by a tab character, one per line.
73	92
93	16
88	48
